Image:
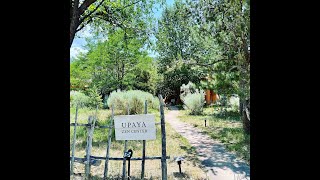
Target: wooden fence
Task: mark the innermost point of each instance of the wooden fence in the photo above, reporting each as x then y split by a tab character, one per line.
89	160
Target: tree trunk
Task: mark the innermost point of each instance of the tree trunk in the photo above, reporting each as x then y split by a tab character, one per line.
72	31
74	21
246	116
240	106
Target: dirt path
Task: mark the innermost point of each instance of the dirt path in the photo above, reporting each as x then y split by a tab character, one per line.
221	165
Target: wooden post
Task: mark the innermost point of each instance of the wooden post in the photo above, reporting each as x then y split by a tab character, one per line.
74	141
179	163
105	174
91	121
144	144
124	159
163	140
87	168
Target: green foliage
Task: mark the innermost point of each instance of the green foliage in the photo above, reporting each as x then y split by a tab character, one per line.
95	99
118	62
103	17
172	35
135	99
226	26
176	75
79	99
178	49
194	102
213	39
133	16
79	73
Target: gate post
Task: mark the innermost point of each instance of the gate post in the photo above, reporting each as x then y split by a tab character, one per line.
105	174
144	144
124	151
163	140
74	141
91	122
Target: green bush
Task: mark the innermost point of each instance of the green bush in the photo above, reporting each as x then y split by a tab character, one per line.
78	98
194	102
117	99
136	100
94	99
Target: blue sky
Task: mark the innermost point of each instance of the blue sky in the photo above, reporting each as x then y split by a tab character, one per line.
79	42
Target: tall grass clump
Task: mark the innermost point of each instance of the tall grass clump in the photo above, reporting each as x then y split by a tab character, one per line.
134	98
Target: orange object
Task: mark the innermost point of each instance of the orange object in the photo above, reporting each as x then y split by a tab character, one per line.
208	97
215	97
211	96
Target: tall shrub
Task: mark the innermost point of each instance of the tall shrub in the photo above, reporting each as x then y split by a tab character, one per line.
134	98
194	102
186	89
78	98
94	98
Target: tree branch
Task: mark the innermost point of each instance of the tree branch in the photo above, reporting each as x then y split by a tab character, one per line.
83	25
75	4
130	4
232	68
90	13
84	6
110	20
75	8
239	68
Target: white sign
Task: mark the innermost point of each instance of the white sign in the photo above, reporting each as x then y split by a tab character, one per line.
135	127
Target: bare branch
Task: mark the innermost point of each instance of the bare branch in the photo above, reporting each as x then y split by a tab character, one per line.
232	68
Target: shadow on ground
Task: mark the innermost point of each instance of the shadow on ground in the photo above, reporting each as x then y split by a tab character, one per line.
212	154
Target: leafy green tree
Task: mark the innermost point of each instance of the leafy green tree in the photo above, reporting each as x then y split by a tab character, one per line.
213	39
79	73
227	24
174	77
115	63
107	14
175	49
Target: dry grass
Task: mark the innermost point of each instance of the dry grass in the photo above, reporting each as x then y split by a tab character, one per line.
176	146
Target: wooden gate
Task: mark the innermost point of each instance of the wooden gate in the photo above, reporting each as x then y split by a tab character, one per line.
89	160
